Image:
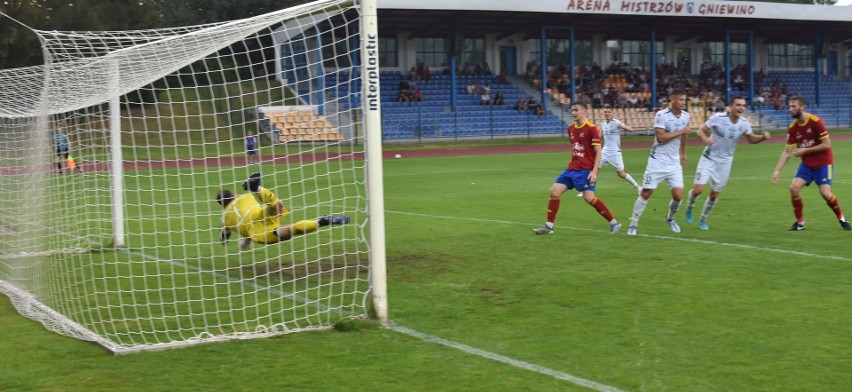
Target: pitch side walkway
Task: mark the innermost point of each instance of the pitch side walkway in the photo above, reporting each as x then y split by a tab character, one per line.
389	153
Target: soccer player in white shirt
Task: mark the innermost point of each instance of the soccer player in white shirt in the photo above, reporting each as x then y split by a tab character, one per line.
611	154
668	154
720	135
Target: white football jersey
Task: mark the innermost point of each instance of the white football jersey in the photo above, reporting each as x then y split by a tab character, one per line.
669	152
725	136
611	135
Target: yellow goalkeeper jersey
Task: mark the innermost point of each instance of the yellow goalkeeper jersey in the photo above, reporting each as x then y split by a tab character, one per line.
250	215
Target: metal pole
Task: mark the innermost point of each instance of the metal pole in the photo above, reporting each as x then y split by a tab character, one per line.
116	170
373	157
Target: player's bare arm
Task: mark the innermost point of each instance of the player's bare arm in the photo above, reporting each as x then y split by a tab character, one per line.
593	174
825	145
702	134
626	127
785	156
663	136
754	139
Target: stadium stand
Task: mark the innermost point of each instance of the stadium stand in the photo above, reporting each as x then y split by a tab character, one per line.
300	126
835	105
433	117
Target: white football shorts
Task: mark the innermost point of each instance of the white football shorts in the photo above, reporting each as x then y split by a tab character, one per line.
715	172
614	159
655	173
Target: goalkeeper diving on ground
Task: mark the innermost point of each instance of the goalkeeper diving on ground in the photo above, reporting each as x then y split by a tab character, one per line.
257	216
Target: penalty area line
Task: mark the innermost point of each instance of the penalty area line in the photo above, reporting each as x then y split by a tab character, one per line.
504	359
661	237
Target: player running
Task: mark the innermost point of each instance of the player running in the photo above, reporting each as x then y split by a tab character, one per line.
807	137
668	156
720	135
611	154
582	171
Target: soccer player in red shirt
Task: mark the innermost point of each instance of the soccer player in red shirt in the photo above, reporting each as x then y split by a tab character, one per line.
807	138
582	172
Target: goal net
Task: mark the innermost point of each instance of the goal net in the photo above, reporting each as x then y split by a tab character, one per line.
112	155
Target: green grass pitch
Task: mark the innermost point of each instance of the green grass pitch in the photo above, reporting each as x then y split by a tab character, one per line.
746	306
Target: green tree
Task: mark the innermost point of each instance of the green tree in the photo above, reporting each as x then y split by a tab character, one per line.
20	47
193	12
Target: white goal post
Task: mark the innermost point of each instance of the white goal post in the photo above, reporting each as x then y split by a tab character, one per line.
114	158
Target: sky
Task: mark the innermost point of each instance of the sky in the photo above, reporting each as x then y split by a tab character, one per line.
843	2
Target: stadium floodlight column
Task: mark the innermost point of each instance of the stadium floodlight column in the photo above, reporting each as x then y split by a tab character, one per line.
375	183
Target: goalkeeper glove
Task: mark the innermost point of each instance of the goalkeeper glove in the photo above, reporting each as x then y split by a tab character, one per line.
253	183
224	236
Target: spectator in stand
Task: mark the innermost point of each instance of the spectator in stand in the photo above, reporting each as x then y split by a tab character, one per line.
504	79
739	81
535	107
419	72
404	91
485	99
473	88
633	101
498	99
718	105
597	99
521	104
706	69
416	96
758	80
776	84
621	101
427	74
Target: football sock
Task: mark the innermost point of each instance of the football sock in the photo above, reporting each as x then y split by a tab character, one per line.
601	208
304	226
798	208
674	205
708	206
552	209
691	199
638	209
832	203
630	180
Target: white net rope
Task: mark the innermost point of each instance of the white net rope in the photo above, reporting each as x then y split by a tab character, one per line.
187	98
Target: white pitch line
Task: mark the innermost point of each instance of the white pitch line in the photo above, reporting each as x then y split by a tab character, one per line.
501	358
399	328
663	237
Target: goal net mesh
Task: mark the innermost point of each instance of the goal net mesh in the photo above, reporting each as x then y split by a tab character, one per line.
117	239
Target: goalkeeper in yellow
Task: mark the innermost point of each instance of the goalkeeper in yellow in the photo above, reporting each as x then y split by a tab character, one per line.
257	216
